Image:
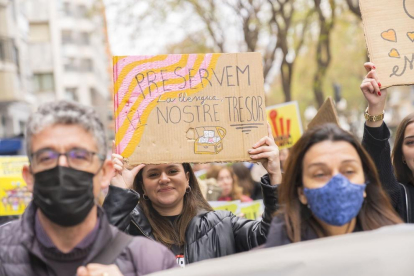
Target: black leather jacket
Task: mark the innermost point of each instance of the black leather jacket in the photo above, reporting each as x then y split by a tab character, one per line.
210	234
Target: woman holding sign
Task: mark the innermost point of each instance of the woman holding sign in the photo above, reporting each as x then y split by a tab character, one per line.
330	187
165	204
400	186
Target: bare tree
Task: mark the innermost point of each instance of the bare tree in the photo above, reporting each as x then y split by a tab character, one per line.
323	49
353	6
208	15
281	24
275	19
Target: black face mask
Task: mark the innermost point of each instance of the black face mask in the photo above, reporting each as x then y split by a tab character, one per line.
64	195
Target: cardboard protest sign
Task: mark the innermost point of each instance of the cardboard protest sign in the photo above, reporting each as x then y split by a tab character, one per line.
14	195
389	33
286	124
188	108
326	114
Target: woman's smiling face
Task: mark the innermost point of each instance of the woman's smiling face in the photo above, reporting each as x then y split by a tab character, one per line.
165	185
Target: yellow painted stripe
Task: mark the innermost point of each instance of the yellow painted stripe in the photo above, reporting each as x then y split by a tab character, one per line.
137	135
133	84
121	131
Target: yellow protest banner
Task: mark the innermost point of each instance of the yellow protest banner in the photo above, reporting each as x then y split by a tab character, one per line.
252	211
231	206
286	124
14	195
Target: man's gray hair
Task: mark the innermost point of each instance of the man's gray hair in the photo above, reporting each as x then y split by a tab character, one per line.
66	113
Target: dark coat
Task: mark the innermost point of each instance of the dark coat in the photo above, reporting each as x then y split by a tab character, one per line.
19	253
209	235
375	141
278	233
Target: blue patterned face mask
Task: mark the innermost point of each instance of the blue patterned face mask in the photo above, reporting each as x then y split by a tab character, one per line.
336	203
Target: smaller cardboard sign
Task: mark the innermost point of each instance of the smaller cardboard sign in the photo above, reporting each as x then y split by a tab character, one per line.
389	34
188	108
286	124
326	114
14	195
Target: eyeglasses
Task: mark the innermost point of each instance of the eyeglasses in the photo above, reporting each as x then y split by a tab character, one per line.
79	159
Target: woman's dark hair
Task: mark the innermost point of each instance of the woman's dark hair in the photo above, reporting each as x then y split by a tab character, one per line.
376	210
402	171
165	232
244	177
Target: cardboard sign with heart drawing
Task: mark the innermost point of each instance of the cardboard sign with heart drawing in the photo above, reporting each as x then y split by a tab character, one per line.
188	108
389	34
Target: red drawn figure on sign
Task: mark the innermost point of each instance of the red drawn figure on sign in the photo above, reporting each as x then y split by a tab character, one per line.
281	131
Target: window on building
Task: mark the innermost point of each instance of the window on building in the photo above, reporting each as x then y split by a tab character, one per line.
70	65
2	50
39	32
67	9
43	82
82	11
6	49
71	94
67	37
16	58
86	65
22	126
84	38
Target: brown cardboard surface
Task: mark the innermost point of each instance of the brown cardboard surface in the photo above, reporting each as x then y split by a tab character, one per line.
326	114
389	34
188	108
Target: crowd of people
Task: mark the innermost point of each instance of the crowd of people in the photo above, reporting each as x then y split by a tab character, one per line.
157	217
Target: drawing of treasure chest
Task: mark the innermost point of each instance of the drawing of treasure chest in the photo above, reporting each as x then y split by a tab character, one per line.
208	140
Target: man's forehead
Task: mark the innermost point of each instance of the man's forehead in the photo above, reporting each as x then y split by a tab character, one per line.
63	137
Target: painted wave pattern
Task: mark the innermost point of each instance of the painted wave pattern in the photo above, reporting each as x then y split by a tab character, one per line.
133	103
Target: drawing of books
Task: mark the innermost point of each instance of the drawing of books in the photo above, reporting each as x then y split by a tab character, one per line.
208	140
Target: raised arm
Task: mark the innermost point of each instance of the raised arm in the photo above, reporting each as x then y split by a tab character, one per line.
121	199
249	233
376	136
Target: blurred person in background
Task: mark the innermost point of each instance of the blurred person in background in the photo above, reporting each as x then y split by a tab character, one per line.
228	181
250	187
396	171
330	187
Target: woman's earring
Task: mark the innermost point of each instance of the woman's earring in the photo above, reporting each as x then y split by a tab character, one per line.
405	162
145	197
188	190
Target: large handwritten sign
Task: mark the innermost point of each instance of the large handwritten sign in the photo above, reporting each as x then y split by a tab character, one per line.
389	33
188	108
14	195
285	123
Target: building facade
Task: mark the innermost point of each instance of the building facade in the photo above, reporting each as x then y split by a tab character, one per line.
16	94
52	50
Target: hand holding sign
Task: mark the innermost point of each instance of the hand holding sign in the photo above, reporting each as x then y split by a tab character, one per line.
370	87
123	178
267	150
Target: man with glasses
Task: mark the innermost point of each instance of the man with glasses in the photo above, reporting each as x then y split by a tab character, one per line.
63	231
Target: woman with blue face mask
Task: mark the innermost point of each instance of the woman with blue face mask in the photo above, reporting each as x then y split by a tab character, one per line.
330	187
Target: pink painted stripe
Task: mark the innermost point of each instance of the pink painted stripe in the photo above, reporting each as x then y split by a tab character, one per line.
130	77
127	60
137	90
144	104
